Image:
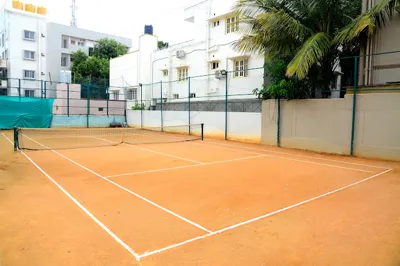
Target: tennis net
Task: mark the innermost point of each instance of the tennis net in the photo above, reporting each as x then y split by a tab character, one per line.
55	139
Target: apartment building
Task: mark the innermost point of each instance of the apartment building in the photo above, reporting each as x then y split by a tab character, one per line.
208	54
381	69
34	50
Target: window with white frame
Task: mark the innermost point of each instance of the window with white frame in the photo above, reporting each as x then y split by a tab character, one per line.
183	73
214	65
64	43
29	35
131	94
115	95
73	42
29	93
29	74
64	60
165	72
232	24
240	68
81	43
215	24
29	55
175	96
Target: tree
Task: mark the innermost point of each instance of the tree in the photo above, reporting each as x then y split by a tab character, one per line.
109	48
312	34
162	45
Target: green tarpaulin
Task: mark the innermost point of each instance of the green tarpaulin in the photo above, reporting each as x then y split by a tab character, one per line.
25	112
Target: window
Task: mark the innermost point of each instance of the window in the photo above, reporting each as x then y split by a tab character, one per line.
101	109
214	65
5	54
81	43
215	24
131	94
29	74
29	55
63	61
115	95
183	73
29	93
71	58
240	68
73	42
175	96
91	51
232	24
29	35
193	95
3	92
64	43
165	73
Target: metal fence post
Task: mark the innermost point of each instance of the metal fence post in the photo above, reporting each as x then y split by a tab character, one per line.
161	91
278	138
88	105
19	88
226	106
107	101
141	104
45	89
41	89
189	103
68	99
353	121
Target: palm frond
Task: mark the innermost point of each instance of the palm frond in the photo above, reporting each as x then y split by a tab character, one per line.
310	53
369	21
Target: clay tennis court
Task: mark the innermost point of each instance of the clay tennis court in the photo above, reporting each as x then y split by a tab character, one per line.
199	202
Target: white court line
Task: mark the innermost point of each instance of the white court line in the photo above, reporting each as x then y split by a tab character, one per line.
165	154
297	155
127	190
261	217
156	152
186	166
86	211
290	159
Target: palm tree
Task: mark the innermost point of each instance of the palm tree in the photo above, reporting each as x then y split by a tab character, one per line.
311	33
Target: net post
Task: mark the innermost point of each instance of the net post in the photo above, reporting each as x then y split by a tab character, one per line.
189	103
353	121
202	131
141	104
68	99
16	144
161	90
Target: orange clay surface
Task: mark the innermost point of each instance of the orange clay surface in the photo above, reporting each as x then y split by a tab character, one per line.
196	203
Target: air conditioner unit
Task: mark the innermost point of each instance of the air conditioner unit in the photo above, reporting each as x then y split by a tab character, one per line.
180	54
218	74
212	90
43	35
43	55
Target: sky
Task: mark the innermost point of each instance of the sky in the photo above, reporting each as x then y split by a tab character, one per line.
124	18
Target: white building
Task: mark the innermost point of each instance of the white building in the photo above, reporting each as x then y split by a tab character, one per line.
23	46
34	50
202	59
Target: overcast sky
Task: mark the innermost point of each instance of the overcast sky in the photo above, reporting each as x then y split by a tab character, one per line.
124	17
